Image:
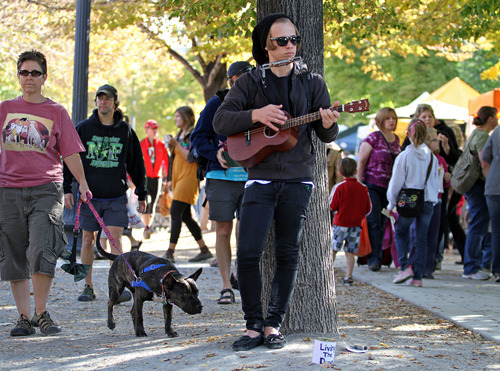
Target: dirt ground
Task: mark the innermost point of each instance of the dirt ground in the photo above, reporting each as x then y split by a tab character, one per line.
398	335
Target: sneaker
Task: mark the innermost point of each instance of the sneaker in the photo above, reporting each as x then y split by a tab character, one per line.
170	256
47	326
135	222
404	276
348	281
201	256
125	296
497	277
87	294
147	233
479	275
275	341
415	283
23	327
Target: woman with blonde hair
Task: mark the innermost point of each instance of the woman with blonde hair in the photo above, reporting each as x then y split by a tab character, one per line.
448	149
416	168
375	160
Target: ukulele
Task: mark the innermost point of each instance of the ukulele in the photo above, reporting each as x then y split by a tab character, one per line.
251	147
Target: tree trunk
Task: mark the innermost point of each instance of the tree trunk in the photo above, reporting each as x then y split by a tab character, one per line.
312	308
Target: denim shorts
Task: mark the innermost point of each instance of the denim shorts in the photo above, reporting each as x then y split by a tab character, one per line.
112	211
348	234
224	198
31	230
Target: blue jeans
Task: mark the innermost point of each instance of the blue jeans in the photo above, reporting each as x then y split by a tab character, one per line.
486	248
376	222
494	208
286	204
479	219
402	237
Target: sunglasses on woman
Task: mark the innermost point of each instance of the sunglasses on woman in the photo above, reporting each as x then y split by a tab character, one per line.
283	40
34	73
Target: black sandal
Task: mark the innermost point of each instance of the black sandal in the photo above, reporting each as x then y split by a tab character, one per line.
136	247
223	298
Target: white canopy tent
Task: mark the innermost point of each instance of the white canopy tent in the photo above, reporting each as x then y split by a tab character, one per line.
442	110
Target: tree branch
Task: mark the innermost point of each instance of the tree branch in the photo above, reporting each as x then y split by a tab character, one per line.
50	7
173	53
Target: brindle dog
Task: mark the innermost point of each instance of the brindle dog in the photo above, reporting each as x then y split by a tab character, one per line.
164	280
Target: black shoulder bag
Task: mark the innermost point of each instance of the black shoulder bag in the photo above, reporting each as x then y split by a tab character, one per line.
410	200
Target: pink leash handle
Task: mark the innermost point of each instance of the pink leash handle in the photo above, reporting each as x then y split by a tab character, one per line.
103	226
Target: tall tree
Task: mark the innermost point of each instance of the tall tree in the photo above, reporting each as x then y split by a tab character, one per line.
312	308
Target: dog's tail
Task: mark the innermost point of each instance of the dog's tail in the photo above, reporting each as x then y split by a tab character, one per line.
103	252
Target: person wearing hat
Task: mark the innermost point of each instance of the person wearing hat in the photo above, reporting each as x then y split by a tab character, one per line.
278	188
112	150
224	184
156	161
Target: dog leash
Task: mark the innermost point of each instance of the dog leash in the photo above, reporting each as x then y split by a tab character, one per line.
104	228
138	282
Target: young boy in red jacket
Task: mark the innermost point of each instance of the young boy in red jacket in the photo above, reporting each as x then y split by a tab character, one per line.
350	202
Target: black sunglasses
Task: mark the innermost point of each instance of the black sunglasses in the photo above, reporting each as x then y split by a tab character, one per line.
34	73
283	40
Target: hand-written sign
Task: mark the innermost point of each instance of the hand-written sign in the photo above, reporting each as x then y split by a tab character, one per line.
324	351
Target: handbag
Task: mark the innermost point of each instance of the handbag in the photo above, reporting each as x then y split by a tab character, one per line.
411	200
165	202
365	248
466	171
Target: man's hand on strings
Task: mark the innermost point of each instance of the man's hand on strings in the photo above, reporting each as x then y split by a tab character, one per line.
270	115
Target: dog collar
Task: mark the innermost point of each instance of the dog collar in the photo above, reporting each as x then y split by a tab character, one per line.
163	294
166	274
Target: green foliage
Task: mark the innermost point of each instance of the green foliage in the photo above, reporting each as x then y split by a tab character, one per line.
412	75
159	53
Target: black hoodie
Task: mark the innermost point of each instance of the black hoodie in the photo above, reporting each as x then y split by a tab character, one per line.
110	153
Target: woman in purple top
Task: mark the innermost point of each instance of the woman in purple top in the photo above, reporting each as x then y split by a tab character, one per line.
375	159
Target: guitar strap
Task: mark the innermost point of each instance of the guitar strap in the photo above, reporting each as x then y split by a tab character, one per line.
252	90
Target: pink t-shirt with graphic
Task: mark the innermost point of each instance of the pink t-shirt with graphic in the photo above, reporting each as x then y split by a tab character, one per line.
34	138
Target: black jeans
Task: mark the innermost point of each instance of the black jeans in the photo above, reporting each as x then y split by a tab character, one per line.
286	204
181	212
459	236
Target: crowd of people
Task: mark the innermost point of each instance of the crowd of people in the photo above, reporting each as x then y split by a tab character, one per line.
425	162
105	157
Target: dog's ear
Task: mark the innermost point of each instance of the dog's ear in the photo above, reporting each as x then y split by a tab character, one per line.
196	274
169	281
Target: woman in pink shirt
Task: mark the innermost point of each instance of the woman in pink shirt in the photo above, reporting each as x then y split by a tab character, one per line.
375	160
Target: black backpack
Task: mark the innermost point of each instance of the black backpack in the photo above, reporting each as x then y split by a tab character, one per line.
202	162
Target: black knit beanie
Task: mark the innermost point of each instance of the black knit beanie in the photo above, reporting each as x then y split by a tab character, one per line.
259	37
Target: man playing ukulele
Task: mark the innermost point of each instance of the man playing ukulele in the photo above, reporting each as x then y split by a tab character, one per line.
278	188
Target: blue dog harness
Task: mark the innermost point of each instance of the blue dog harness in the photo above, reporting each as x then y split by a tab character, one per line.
140	283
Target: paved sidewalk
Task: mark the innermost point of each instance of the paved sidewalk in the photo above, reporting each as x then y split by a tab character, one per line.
472	304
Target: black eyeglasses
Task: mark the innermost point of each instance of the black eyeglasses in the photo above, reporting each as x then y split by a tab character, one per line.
283	40
34	73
